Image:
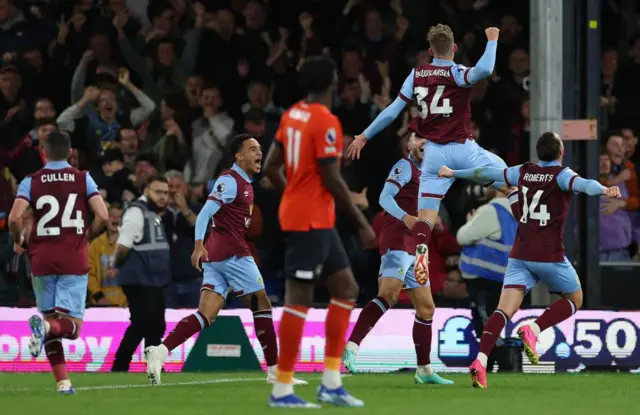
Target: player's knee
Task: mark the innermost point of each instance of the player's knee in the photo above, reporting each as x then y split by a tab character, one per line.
257	301
76	333
390	295
348	289
425	311
576	298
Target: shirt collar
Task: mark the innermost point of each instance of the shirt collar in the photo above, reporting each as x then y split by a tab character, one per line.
57	165
241	172
548	163
442	62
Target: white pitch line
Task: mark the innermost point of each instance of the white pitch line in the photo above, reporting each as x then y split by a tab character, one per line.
147	385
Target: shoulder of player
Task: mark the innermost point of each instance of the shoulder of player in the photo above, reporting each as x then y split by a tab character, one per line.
401	166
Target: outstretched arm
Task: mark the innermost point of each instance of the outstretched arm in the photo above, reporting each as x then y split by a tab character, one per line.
390	113
570	181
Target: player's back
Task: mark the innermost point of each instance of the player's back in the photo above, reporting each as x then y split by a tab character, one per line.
543	208
444	106
309	134
58	241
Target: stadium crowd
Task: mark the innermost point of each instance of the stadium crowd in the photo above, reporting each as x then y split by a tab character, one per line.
160	86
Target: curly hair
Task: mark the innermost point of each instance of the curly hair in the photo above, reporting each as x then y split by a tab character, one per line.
440	39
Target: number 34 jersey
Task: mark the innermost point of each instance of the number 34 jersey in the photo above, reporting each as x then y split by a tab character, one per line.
59	197
544	194
443	97
310	135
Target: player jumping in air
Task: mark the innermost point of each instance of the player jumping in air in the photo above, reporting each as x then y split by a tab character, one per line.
541	202
309	144
60	197
441	91
227	261
399	199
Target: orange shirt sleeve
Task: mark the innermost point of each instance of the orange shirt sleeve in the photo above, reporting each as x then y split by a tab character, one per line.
328	138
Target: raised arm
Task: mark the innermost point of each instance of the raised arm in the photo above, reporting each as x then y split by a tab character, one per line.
466	77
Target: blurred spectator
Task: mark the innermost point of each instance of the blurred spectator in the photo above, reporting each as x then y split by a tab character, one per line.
95	131
616	227
622	174
179	223
211	133
103	285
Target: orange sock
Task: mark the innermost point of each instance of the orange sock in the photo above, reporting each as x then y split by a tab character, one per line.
336	328
290	335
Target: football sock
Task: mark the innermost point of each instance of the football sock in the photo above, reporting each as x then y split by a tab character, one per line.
55	355
558	311
263	325
491	332
186	328
422	340
290	334
62	328
335	329
368	318
422	232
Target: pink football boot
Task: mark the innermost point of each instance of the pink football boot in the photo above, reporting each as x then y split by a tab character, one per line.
529	340
478	375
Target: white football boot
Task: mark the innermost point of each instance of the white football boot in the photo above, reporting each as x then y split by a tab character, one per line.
155	357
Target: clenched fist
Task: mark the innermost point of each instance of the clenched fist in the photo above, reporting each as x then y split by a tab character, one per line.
492	33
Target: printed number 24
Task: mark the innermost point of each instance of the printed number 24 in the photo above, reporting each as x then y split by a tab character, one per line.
529	211
438	105
54	208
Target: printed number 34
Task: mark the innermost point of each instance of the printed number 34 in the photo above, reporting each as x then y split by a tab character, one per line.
438	105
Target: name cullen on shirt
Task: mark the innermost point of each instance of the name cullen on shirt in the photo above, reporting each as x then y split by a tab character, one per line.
57	177
423	73
540	177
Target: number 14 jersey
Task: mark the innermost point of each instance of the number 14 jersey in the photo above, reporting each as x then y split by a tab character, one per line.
59	196
544	194
309	135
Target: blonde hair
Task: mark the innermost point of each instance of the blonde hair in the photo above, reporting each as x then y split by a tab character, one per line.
440	39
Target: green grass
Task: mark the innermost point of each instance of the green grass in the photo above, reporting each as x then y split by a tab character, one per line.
388	394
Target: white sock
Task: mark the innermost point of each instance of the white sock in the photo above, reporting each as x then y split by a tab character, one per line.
282	389
271	370
425	370
331	379
47	327
351	346
482	358
535	328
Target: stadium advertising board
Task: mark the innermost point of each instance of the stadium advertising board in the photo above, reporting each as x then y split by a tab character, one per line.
590	338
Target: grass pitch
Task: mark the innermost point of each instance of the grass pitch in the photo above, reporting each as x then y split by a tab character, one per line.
384	394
